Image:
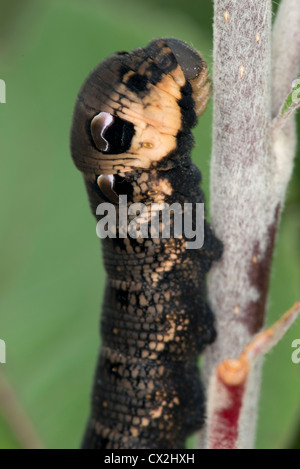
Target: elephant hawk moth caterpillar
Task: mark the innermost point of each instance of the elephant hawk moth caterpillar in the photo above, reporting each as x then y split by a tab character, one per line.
131	135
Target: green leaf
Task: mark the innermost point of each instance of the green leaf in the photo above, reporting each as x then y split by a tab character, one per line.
293	99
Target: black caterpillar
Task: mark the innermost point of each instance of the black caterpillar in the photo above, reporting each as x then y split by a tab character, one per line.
131	135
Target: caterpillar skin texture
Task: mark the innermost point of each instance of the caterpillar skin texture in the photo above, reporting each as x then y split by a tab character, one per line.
132	127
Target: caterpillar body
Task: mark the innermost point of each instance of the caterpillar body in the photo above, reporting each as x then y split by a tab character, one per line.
131	135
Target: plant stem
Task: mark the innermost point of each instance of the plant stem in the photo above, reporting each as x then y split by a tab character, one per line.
243	215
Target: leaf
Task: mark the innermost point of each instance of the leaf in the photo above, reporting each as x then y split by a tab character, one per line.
293	99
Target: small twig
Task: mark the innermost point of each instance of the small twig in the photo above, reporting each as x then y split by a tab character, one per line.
231	380
16	417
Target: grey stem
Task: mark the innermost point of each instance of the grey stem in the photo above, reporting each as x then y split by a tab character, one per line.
250	169
243	216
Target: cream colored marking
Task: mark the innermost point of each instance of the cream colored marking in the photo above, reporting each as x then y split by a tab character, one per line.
163	185
254	259
167	265
242	70
144	186
134	431
141	385
257	37
226	16
144	67
160	347
143	178
151	385
158	109
237	309
178	75
170	333
156	413
157	119
169	85
173	257
155	277
143	301
133	300
127	76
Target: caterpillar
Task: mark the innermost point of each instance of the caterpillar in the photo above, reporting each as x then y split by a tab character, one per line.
131	135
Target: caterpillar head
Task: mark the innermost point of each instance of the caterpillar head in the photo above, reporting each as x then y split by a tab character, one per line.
134	107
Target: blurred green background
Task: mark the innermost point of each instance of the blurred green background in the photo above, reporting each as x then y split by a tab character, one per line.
51	269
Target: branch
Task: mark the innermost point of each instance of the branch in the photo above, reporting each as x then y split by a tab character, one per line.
248	185
230	383
239	171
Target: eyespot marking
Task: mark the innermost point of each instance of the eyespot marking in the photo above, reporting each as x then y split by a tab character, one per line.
111	134
99	126
106	186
